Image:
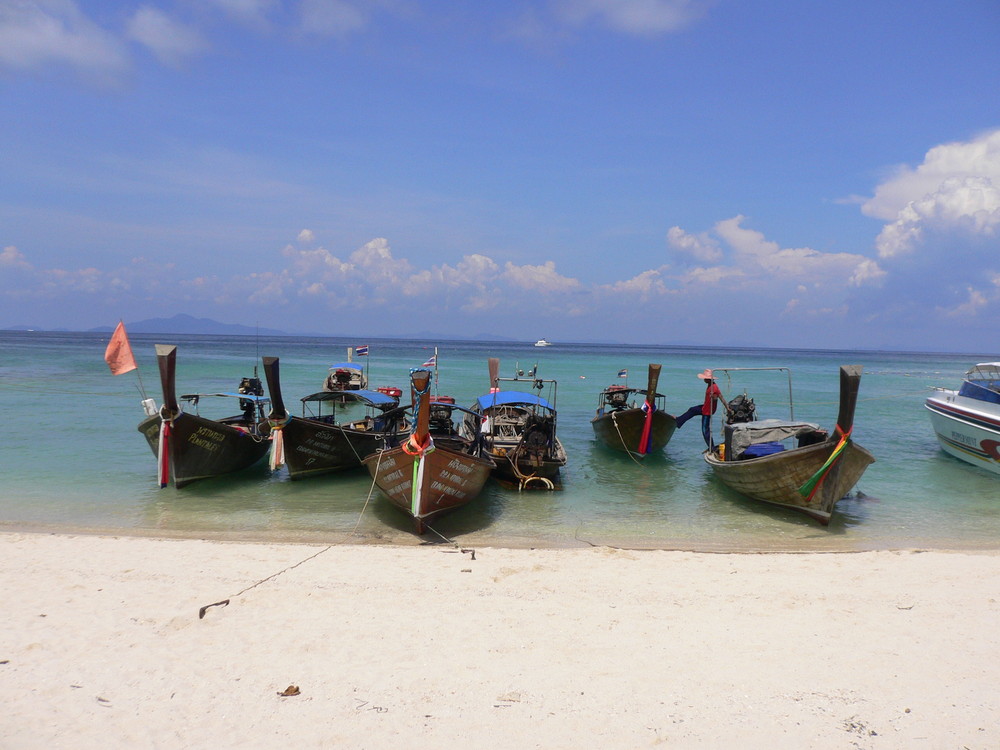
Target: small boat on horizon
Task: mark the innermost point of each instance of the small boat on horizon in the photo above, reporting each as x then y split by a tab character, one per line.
792	464
189	446
967	421
623	424
542	342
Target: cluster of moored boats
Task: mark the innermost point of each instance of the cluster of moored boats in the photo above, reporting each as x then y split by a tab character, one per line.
431	455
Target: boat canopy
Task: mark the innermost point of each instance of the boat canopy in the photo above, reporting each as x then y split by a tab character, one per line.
745	434
987	373
248	396
374	398
347	366
512	398
982	383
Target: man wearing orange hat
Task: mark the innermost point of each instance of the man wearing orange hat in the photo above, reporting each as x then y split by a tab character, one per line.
712	398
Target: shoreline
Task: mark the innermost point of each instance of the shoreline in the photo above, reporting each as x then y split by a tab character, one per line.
431	645
810	542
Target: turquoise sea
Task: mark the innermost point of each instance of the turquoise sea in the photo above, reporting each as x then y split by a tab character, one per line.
72	459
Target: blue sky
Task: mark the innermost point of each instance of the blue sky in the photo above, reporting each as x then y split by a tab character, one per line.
777	173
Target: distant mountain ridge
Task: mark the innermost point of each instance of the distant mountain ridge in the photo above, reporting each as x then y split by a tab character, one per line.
187	324
182	323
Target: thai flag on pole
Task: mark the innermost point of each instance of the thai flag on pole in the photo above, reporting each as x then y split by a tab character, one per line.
361	351
432	362
623	373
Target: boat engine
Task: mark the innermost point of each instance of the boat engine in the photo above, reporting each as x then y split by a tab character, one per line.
741	409
440	417
536	437
616	397
253	387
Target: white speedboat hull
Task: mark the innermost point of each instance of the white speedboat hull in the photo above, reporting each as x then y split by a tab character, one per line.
967	428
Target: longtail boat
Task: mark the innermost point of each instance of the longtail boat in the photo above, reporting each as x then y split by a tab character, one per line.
429	475
189	446
519	430
623	425
812	475
318	441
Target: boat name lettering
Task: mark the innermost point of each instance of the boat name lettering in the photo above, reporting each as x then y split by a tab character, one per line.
310	451
453	478
207	432
451	491
958	437
457	465
201	442
402	487
393	476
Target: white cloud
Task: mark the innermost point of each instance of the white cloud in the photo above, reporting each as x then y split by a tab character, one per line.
11	257
171	42
711	276
968	204
541	278
973	304
956	188
35	33
758	256
642	17
316	265
700	246
375	260
331	17
642	286
306	237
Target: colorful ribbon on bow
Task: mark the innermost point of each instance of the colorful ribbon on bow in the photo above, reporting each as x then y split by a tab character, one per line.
808	490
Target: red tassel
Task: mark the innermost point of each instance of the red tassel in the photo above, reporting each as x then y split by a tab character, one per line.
646	439
163	463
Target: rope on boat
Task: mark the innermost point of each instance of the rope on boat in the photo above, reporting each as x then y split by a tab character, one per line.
526	479
614	420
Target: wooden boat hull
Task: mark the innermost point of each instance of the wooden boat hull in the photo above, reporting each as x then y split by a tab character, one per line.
622	430
201	448
314	447
428	485
521	469
776	479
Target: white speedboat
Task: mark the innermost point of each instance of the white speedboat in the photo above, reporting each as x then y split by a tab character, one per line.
967	421
542	342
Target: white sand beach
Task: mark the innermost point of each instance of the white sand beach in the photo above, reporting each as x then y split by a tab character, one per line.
431	646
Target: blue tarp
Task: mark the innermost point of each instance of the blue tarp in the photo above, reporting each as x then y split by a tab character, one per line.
347	366
504	398
374	398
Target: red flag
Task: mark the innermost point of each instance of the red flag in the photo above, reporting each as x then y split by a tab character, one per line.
118	355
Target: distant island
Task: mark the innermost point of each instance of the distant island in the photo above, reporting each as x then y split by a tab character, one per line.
182	323
187	324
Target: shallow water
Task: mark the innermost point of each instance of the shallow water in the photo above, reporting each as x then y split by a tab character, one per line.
71	457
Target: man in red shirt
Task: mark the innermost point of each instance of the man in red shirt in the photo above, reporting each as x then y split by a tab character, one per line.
706	409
